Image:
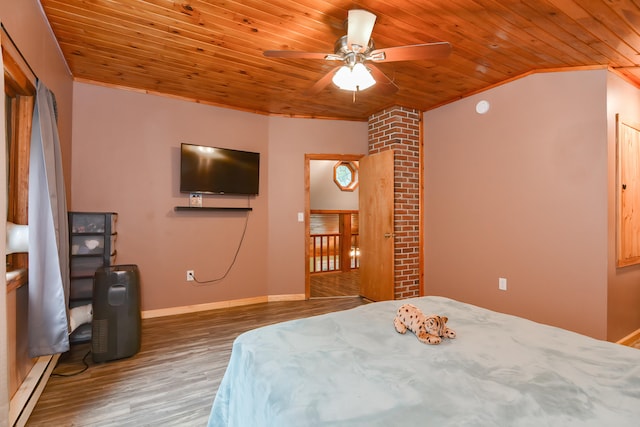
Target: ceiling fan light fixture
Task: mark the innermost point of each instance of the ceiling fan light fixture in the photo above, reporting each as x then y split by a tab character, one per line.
357	48
353	79
359	28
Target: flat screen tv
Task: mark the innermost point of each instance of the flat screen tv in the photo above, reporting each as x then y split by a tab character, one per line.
213	170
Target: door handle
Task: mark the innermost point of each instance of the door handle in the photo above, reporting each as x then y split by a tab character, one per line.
387	235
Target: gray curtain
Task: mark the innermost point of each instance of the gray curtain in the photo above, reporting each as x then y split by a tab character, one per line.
48	234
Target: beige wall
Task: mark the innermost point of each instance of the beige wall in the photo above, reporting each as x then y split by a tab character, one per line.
324	193
126	160
521	193
623	302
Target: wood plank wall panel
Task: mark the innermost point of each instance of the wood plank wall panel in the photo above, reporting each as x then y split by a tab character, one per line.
211	51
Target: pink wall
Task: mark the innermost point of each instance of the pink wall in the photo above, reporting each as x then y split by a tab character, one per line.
30	31
521	193
289	141
126	159
623	300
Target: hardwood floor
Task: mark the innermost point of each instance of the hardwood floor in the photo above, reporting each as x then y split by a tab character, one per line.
334	284
172	381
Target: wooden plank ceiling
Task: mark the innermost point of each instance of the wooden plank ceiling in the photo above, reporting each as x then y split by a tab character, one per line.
211	51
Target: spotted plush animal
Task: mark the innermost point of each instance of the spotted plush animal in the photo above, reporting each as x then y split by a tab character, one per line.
428	329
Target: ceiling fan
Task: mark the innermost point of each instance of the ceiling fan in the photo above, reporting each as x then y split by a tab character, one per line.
357	53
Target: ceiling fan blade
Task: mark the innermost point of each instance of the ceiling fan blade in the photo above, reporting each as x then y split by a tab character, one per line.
322	83
412	52
292	54
384	84
359	28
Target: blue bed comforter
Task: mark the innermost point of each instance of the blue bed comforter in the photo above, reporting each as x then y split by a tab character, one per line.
352	368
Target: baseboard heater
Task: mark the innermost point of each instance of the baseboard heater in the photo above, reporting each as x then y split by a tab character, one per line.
24	400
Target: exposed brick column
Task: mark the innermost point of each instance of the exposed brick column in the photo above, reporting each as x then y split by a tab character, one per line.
398	128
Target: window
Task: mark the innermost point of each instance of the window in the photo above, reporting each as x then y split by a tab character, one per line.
19	89
345	175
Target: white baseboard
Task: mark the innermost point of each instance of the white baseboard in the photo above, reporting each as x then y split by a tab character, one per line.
148	314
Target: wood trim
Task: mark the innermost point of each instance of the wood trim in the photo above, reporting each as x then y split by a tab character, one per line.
333	211
211	103
345	237
627	201
353	167
20	85
17	72
208	208
421	174
521	76
630	339
25	399
16	279
172	311
307	206
18	212
27	377
20	158
286	297
618	72
307	225
336	157
629	123
162	312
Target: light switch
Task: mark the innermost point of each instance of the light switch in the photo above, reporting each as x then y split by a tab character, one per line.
300	216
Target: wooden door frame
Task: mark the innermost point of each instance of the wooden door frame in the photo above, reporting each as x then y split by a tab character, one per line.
307	206
421	210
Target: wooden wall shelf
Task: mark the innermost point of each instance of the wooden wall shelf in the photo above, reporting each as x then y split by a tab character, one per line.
208	208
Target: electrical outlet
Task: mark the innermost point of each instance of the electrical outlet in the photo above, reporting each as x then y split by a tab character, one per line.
190	276
502	284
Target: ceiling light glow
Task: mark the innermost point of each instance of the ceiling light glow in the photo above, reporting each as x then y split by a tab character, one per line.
354	79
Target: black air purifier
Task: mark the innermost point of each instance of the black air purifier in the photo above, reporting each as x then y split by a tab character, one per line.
116	326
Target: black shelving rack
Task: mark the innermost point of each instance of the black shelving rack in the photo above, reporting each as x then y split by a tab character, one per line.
92	238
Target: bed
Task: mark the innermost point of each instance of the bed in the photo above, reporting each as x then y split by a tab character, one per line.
351	368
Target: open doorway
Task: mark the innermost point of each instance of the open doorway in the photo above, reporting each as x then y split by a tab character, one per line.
331	226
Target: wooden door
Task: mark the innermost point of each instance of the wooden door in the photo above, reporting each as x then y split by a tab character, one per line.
628	227
376	226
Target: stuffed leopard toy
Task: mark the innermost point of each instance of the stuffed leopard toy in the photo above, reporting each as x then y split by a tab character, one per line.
429	329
